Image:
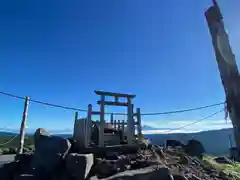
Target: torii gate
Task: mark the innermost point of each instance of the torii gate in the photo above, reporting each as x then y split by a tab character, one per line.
128	104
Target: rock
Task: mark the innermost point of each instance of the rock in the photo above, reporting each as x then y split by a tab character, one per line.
163	173
79	165
26	157
74	146
49	151
194	177
106	168
25	177
40	132
8	170
184	160
24	161
139	163
112	155
223	160
143	174
179	177
194	148
159	152
224	176
174	143
93	178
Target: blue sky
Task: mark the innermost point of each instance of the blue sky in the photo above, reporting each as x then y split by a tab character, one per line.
61	51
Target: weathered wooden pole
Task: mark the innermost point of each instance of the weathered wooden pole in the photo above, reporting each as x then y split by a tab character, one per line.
111	119
119	125
115	124
75	125
139	123
123	129
102	122
227	67
88	125
130	123
76	116
23	125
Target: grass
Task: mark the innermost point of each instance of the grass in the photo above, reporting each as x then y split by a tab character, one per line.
11	147
232	169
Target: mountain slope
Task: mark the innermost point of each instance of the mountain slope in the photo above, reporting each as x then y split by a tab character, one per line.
215	142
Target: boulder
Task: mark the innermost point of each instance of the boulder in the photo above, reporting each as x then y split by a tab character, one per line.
144	174
79	165
8	170
24	161
179	177
194	148
174	143
106	168
112	155
40	132
49	151
223	160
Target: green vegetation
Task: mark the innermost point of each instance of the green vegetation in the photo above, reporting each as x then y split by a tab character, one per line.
11	147
228	169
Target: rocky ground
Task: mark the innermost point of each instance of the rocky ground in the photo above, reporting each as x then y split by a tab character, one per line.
56	158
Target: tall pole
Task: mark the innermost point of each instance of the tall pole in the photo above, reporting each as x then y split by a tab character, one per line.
130	124
111	120
139	124
88	125
23	125
119	125
75	130
102	122
227	66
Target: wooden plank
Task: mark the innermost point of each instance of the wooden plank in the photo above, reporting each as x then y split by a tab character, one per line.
109	103
115	94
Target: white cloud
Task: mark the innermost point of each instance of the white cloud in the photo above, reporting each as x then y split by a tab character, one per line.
167	131
177	126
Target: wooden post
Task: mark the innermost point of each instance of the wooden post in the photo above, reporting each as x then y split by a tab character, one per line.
139	123
23	125
119	125
88	125
115	124
227	67
123	126
111	120
102	122
130	123
76	116
230	141
75	125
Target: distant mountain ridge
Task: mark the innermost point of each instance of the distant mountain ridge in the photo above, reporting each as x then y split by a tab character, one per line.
2	133
216	142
